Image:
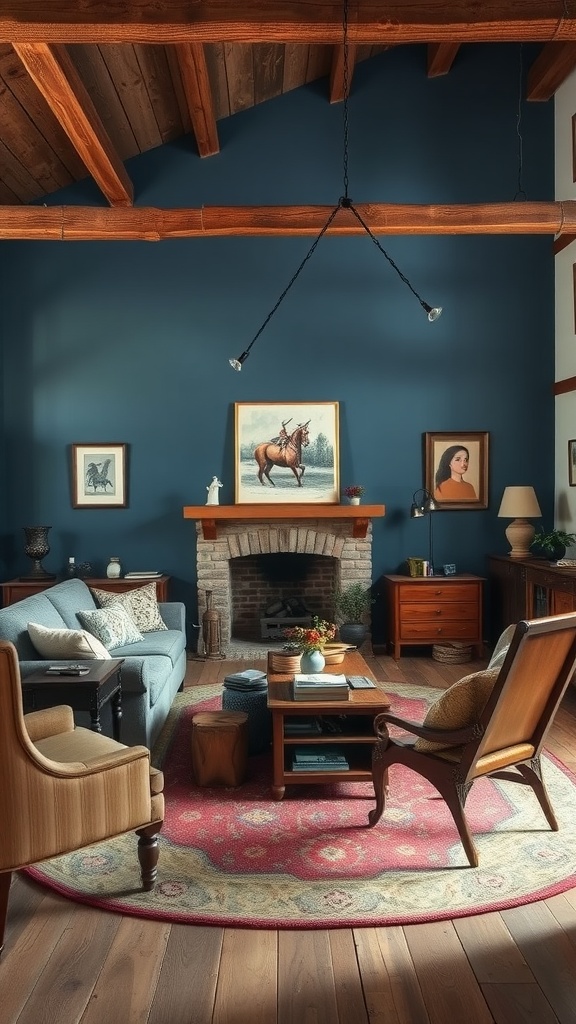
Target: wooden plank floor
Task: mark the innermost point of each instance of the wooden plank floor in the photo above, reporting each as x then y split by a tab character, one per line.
65	963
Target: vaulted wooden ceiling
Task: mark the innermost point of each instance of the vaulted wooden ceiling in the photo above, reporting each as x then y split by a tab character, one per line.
100	82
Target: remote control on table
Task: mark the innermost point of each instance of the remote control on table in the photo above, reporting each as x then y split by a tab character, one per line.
360	683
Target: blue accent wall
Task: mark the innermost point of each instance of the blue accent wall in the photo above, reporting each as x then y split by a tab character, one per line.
129	341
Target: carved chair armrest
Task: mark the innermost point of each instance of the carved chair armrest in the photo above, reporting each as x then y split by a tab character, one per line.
452	737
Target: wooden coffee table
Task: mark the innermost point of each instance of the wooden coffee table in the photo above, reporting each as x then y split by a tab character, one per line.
355	718
83	693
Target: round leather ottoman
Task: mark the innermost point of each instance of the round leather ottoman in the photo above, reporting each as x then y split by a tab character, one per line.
259	718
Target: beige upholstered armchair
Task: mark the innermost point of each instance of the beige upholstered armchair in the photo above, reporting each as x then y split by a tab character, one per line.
64	787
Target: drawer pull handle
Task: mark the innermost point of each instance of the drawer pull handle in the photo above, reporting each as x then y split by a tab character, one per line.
438	611
438	593
439	631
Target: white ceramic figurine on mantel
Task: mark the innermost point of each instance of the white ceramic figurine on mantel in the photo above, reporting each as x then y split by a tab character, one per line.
214	492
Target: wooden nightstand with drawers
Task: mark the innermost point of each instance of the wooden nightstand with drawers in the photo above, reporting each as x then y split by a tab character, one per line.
432	609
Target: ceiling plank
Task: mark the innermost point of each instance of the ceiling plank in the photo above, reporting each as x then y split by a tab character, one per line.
337	85
441	57
295	65
196	83
75	223
552	66
21	136
240	76
57	79
130	83
163	100
375	21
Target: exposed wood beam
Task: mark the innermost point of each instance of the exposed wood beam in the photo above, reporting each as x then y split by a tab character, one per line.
194	72
551	67
76	223
564	387
337	72
441	58
305	21
56	77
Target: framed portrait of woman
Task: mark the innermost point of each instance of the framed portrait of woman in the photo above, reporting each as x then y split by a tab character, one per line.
456	468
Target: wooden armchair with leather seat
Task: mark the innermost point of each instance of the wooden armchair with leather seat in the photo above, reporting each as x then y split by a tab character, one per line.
64	788
498	729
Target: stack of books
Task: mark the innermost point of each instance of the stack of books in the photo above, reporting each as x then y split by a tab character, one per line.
302	727
321	686
251	679
142	575
319	759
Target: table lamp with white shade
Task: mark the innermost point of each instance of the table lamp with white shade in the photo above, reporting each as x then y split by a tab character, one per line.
519	504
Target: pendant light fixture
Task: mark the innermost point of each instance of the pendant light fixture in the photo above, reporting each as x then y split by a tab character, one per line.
345	203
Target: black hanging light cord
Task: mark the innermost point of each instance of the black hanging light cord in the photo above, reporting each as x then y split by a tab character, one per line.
343	203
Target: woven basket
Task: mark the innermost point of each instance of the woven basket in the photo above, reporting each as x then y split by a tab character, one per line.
284	661
452	654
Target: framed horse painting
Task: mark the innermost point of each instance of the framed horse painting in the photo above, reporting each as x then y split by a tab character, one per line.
99	476
287	453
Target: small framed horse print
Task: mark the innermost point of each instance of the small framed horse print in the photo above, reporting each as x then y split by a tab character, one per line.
287	453
99	476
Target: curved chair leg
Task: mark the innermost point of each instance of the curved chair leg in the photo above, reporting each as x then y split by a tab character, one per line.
380	781
148	853
455	798
5	882
532	775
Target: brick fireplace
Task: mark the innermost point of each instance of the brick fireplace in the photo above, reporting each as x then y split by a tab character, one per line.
232	538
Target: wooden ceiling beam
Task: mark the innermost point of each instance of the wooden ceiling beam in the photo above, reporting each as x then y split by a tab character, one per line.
55	76
312	21
337	72
552	66
74	223
196	83
441	57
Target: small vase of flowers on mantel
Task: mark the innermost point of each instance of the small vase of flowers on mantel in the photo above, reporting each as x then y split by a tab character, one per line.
354	492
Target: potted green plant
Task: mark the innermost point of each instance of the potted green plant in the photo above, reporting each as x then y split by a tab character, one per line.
552	544
351	605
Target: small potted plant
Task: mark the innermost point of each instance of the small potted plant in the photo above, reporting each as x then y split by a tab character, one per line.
351	605
354	492
552	544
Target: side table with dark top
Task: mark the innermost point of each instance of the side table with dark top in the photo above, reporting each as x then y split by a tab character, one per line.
89	692
16	590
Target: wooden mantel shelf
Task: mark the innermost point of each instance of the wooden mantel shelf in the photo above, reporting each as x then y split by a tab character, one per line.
209	515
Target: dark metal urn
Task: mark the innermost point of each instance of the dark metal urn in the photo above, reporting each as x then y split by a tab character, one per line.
37	547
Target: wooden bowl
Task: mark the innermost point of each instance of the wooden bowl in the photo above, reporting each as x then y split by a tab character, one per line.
334	657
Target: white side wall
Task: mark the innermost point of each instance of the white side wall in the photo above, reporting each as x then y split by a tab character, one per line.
565	405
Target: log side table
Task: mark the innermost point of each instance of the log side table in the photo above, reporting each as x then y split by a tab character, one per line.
89	692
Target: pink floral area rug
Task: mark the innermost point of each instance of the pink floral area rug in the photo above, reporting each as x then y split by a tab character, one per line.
236	857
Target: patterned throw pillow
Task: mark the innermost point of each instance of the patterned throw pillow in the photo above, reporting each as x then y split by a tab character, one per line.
113	626
141	605
459	706
66	643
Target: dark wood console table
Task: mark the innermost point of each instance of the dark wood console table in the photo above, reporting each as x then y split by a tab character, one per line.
16	590
527	589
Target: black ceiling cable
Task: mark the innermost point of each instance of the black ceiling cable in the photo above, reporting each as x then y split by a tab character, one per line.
344	202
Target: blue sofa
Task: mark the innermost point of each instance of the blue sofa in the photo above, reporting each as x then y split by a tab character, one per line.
153	669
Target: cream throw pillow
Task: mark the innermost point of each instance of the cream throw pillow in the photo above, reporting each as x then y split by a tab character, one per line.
66	643
460	705
113	626
141	605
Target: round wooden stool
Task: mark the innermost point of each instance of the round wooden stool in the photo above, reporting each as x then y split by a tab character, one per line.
220	747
